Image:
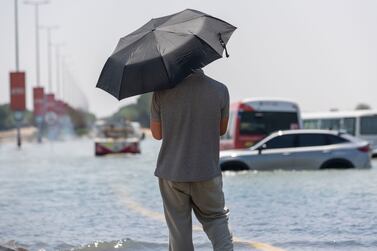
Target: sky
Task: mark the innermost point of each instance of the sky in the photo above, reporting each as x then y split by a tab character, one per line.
320	53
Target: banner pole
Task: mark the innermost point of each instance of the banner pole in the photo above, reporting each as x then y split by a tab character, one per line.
18	134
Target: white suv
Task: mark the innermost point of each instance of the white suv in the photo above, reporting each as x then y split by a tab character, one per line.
300	150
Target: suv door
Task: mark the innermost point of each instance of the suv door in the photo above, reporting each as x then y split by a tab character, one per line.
275	154
312	150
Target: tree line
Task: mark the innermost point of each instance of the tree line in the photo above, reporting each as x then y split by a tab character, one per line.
82	121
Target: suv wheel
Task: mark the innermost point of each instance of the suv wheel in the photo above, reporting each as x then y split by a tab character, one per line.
337	164
234	166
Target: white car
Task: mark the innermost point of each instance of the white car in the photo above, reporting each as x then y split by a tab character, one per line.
300	150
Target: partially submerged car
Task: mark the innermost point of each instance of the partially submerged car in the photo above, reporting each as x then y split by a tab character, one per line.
120	137
300	150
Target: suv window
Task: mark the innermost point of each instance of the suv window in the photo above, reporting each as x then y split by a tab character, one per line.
284	141
333	139
311	139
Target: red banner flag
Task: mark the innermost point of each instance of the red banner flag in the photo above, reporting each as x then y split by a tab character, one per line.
50	102
60	107
39	101
17	91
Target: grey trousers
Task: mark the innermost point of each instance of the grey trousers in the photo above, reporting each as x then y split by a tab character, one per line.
206	199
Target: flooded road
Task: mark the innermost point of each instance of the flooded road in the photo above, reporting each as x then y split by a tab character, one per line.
59	196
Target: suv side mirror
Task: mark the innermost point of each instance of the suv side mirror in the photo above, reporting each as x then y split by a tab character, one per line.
264	146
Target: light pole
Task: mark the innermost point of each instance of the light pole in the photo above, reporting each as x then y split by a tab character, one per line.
36	5
49	60
38	91
62	63
16	34
57	65
19	142
65	60
17	83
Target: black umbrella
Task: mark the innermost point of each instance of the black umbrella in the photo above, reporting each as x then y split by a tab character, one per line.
164	51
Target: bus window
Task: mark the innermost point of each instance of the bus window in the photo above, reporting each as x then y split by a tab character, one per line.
349	125
311	124
330	124
252	123
368	125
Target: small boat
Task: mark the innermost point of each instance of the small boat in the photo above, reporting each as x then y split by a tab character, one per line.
113	138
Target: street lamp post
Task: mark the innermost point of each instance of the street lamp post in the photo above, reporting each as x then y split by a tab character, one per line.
57	65
38	92
19	142
36	5
63	67
17	82
49	59
16	34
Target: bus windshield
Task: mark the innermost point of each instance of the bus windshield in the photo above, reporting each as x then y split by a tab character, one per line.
252	123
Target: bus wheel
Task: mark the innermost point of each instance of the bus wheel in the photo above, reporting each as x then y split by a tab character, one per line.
234	166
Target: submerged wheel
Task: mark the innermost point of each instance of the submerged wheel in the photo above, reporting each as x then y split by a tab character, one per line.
234	166
337	164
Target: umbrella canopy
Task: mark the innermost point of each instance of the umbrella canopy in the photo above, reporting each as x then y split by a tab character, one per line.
163	52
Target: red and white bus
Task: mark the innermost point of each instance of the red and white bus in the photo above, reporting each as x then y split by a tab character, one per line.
251	120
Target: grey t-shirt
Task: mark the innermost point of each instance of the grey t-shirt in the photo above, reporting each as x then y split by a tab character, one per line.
190	116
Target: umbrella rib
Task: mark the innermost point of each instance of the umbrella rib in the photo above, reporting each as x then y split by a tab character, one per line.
188	20
205	15
172	16
132	43
201	39
162	59
190	33
156	27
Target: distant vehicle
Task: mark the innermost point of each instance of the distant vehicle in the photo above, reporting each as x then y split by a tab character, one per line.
251	120
300	150
362	123
120	137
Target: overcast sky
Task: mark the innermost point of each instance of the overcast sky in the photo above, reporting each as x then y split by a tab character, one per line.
320	53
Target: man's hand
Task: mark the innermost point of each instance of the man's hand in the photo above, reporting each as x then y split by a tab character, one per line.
223	125
156	129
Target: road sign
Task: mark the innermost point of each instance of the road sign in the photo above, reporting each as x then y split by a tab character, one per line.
51	118
18	116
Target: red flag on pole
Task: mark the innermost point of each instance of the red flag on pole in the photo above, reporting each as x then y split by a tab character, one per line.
39	101
17	91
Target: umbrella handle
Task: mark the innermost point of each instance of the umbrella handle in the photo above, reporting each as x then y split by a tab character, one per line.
223	45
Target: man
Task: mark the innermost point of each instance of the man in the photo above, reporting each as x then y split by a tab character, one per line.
190	118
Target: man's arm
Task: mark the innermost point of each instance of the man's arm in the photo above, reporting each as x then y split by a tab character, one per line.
223	125
155	117
224	112
156	129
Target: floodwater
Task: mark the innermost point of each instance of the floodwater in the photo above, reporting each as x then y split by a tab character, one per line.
58	196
